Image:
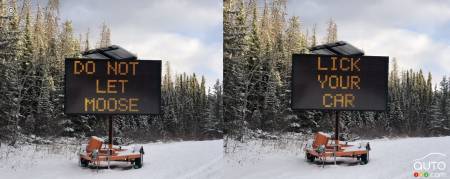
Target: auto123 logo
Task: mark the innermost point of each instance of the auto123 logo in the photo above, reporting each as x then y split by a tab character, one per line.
432	165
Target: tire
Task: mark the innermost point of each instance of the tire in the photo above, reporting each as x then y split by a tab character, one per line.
310	158
84	163
364	159
138	163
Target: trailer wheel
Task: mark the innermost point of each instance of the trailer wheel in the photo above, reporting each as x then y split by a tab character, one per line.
364	159
138	163
84	163
310	157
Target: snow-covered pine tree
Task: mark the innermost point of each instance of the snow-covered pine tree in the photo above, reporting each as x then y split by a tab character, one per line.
253	68
215	109
105	36
86	43
234	74
69	47
437	121
331	35
10	53
314	36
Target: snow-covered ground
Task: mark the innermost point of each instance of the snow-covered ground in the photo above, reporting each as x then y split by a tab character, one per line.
190	159
281	158
389	158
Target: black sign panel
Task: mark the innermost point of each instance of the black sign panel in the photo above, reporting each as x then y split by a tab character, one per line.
326	82
94	86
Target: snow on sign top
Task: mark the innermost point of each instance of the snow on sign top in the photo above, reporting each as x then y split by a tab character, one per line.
103	86
337	82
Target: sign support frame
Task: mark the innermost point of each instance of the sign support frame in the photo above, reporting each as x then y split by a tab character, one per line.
110	136
110	130
116	53
336	128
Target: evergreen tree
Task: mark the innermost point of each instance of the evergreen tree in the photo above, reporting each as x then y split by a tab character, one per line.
257	66
32	57
437	121
314	36
234	62
105	37
331	32
86	41
10	54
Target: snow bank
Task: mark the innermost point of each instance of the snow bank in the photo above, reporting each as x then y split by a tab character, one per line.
191	159
389	158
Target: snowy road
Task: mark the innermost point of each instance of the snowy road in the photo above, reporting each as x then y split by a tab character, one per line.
389	159
191	159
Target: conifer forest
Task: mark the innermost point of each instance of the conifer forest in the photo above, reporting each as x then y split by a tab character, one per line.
258	47
33	47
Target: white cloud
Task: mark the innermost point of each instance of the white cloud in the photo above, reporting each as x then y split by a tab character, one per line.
413	31
412	50
188	34
167	15
429	13
185	54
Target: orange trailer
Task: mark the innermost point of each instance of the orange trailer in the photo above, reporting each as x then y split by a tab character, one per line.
322	147
95	153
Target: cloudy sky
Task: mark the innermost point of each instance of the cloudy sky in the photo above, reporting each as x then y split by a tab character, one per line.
188	34
415	32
